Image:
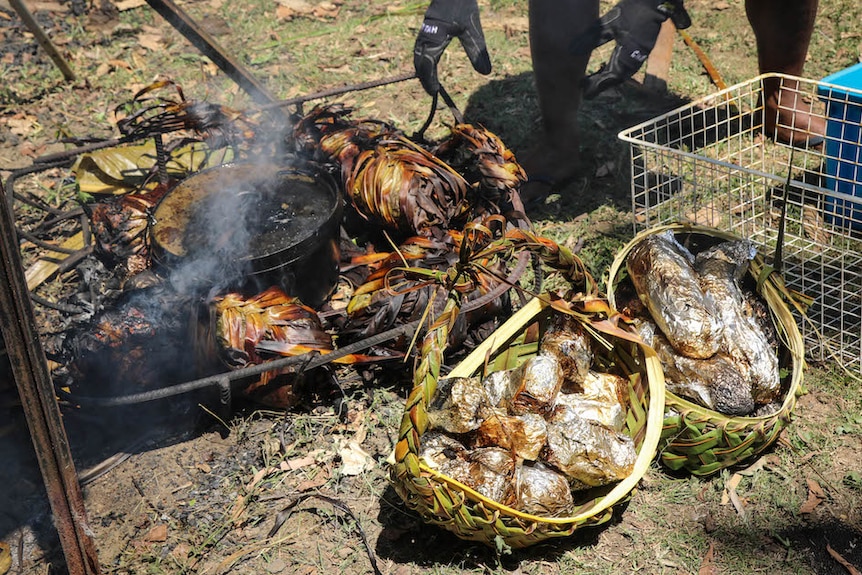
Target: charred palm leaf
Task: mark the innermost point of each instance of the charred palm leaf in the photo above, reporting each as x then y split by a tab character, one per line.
152	115
309	129
269	323
328	130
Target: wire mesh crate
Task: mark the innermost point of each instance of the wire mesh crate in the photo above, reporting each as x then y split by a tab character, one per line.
708	163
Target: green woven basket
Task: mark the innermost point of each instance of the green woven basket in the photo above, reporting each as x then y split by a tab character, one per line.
443	501
700	440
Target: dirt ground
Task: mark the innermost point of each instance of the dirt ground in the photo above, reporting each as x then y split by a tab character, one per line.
185	486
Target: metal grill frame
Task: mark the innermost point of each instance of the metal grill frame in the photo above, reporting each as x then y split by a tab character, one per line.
709	163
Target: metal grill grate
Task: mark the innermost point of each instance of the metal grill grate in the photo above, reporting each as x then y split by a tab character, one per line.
708	163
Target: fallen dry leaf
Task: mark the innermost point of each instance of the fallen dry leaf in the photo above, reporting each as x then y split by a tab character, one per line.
123	5
284	12
815	488
343	69
310	458
708	566
815	497
730	495
46	6
315	483
158	534
325	10
21	124
260	474
731	485
120	64
5	557
151	42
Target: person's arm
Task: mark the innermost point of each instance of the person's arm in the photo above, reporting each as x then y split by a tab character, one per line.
444	20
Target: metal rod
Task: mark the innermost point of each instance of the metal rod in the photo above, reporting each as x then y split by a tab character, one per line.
38	400
183	23
342	90
43	39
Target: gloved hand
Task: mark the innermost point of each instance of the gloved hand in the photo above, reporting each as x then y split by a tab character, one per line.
635	25
444	20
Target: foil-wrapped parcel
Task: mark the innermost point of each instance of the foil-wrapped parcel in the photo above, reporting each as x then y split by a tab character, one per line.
714	345
516	437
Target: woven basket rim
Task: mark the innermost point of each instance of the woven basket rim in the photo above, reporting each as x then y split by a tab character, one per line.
794	341
649	447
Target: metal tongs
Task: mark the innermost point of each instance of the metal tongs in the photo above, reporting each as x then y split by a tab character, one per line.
419	135
778	257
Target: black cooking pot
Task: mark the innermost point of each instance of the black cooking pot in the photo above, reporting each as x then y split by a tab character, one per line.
248	226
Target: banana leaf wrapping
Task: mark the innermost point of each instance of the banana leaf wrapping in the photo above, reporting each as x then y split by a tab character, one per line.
418	461
696	438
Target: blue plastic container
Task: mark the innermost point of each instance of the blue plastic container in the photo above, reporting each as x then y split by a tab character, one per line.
844	144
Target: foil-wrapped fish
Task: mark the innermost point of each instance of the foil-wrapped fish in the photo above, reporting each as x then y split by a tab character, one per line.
496	386
589	453
609	414
460	405
534	385
539	490
715	382
566	340
438	449
488	470
606	387
524	435
721	268
662	273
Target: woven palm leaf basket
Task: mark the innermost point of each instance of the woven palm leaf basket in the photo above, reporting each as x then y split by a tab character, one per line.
694	438
444	501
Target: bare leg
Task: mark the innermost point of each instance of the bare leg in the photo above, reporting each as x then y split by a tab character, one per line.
783	31
558	75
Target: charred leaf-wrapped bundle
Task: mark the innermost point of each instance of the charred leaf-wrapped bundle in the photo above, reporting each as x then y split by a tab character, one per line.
399	289
547	444
120	226
141	343
253	330
482	158
733	366
403	187
390	180
332	122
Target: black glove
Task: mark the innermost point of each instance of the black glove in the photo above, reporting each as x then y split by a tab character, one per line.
635	25
444	20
